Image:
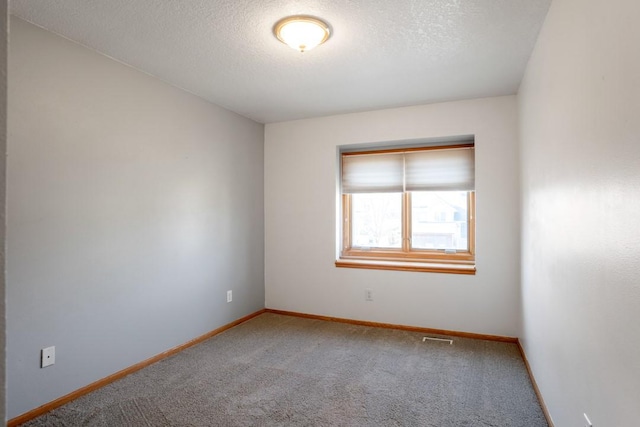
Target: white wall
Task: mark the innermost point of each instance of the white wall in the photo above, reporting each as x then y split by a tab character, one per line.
300	221
580	145
132	207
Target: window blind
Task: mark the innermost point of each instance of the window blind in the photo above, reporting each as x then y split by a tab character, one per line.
373	173
445	169
440	170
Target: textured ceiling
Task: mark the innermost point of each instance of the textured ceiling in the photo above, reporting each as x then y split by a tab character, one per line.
382	53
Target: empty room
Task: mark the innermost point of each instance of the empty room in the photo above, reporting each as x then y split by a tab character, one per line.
354	213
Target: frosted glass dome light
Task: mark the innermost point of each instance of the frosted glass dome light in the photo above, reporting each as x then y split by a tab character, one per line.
302	33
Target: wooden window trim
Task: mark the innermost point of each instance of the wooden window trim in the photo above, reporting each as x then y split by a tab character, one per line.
409	149
407	259
427	267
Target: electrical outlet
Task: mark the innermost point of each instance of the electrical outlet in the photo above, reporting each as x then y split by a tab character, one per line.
368	295
588	424
48	356
229	296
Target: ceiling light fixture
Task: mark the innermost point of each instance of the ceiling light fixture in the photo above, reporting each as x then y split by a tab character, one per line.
302	33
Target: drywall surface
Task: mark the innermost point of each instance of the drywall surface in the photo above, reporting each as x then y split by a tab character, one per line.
580	145
4	41
132	208
413	51
301	165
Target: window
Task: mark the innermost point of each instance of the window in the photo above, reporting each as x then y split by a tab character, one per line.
409	209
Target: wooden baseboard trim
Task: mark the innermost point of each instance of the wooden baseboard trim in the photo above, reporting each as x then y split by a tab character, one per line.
543	405
400	327
27	416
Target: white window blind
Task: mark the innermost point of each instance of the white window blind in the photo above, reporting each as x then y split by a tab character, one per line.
373	173
442	169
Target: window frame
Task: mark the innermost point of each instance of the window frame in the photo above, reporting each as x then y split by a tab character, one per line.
407	258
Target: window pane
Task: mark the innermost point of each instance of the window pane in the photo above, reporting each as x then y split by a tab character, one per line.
439	220
376	220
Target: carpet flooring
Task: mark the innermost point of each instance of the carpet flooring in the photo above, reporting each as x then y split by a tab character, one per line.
280	370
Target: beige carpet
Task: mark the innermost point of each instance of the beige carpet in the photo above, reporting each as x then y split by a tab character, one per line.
280	370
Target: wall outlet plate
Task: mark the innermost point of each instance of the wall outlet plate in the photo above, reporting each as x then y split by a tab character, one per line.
368	295
48	356
229	296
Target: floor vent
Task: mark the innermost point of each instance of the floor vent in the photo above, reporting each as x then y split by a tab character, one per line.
450	341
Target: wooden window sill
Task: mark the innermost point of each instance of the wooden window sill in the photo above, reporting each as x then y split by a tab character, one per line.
431	267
